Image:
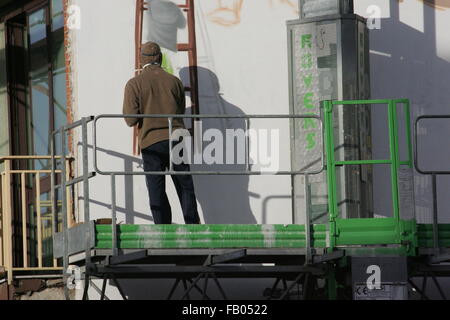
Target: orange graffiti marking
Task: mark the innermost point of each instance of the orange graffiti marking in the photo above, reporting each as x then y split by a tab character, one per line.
437	4
229	14
290	3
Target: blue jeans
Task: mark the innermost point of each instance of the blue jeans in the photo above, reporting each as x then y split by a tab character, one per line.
156	158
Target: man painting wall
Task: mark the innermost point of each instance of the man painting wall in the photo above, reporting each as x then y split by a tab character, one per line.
155	91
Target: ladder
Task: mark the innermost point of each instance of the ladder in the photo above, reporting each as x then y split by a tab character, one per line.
190	48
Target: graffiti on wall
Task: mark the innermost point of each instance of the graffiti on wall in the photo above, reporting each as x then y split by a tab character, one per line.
228	12
437	4
290	3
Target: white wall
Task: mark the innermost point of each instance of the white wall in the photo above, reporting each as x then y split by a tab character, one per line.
242	56
103	56
247	60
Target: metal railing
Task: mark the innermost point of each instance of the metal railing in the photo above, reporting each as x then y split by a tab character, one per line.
394	160
326	125
433	174
29	227
86	175
171	171
170	118
84	178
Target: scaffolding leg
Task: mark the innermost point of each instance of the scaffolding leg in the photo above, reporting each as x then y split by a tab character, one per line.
114	279
99	291
438	286
422	294
309	287
222	292
284	284
105	280
86	287
199	290
205	287
191	286
174	287
185	288
424	285
305	286
286	292
332	285
274	287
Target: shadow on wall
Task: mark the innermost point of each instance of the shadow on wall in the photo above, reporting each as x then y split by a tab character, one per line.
129	163
405	64
224	199
161	23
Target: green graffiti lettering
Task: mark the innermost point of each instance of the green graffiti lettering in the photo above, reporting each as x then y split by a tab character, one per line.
308	80
309	123
307	61
306	41
310	139
308	100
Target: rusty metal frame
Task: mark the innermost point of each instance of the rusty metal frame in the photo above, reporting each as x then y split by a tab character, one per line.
191	48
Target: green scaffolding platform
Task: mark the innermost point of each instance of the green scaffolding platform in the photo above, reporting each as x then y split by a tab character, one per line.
294	252
209	236
266	236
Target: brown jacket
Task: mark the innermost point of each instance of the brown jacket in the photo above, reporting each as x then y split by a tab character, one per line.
154	91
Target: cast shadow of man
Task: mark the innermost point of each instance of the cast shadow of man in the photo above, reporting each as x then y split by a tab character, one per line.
224	199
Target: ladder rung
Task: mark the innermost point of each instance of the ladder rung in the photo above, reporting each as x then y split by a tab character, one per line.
184	47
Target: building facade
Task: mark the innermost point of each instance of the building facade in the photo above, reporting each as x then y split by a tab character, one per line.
61	60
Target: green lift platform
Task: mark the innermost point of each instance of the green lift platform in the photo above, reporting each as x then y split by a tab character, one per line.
366	258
